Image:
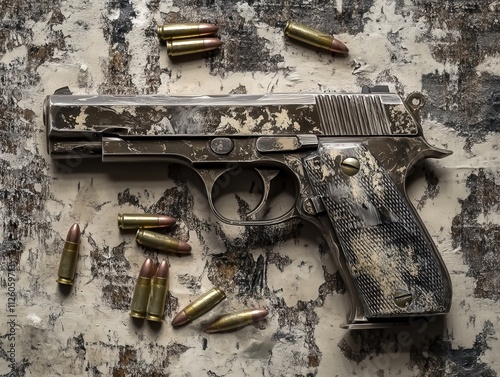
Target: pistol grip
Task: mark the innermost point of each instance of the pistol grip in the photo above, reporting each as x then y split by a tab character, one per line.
394	266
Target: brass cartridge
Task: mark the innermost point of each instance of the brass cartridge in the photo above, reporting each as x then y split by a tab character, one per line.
161	242
143	220
69	257
158	295
191	46
235	320
185	30
139	303
314	37
199	306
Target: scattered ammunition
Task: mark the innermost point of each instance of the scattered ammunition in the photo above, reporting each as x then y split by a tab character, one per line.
176	31
161	242
192	46
158	295
142	220
199	307
235	320
314	37
139	304
69	257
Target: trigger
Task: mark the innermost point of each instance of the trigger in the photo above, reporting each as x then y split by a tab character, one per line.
267	176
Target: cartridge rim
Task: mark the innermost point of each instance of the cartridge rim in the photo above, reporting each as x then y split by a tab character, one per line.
136	314
154	318
63	280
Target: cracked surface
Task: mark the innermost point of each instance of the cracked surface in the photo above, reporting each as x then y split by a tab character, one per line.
448	50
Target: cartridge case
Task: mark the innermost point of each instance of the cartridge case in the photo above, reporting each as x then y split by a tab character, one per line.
314	37
158	294
185	30
161	242
235	320
143	220
191	46
69	257
139	303
199	306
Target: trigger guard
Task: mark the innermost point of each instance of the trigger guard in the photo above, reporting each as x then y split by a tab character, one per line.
211	176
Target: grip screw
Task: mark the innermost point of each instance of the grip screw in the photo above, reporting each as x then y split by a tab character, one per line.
403	298
350	166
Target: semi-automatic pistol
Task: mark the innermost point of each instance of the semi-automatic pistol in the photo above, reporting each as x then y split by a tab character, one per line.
345	158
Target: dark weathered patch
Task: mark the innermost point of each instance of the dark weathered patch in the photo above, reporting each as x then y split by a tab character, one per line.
126	197
118	77
131	362
432	189
461	362
24	187
467	102
110	265
79	346
239	90
235	269
427	345
302	316
473	109
243	49
477	238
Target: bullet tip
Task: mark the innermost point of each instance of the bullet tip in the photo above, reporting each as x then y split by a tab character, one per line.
164	221
184	247
338	46
208	28
180	319
212	43
148	269
74	234
259	314
162	271
209	329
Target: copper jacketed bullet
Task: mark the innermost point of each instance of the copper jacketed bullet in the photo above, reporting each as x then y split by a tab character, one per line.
139	304
161	242
314	37
69	257
235	320
142	220
199	306
158	294
176	31
191	46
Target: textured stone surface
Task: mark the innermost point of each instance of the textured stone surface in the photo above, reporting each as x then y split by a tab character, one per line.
447	49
